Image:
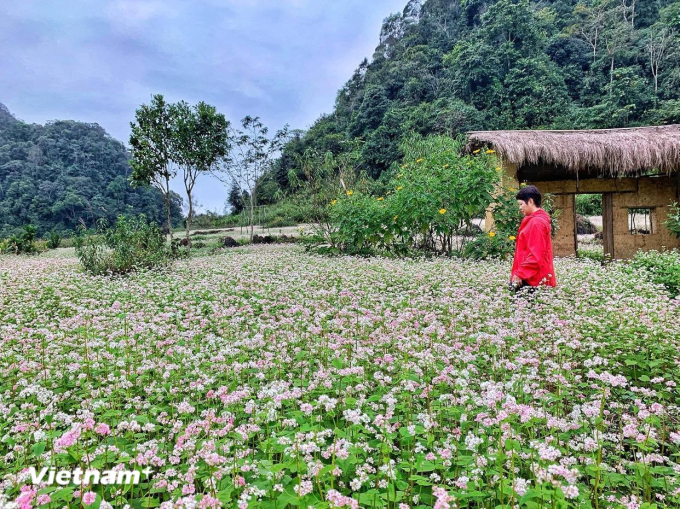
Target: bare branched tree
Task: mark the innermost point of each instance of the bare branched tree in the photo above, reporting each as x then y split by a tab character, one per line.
250	159
590	29
659	43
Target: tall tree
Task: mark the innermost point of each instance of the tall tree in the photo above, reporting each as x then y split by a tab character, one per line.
199	142
590	24
237	199
660	40
251	158
152	149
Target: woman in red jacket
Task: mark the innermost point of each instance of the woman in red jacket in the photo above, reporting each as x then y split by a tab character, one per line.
533	263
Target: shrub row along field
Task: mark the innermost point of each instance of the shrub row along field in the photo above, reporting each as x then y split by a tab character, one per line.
267	377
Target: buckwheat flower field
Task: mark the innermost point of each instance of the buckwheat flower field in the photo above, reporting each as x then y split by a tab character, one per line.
267	377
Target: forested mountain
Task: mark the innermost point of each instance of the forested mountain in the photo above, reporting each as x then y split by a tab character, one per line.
56	175
448	66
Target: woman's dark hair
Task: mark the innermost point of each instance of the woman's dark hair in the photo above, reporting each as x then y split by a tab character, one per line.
530	192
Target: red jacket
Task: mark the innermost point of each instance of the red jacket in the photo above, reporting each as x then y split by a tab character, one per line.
533	261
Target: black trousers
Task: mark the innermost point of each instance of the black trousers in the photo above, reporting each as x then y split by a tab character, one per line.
524	288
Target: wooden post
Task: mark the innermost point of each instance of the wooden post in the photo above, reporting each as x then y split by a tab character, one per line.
573	207
608	225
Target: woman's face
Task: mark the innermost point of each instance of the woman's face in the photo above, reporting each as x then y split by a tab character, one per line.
525	207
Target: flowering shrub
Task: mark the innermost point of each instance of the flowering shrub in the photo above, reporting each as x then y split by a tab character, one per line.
268	377
428	204
362	224
490	245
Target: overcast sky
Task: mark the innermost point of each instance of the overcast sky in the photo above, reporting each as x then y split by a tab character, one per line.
98	60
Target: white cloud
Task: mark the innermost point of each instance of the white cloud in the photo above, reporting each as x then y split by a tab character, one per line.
98	60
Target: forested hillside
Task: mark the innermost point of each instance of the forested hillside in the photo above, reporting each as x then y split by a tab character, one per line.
448	66
56	175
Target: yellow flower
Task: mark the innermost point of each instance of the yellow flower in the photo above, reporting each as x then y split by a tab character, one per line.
523	184
446	166
400	175
381	198
498	168
442	211
511	237
490	151
420	160
492	234
476	151
404	166
395	218
334	202
512	189
400	188
350	192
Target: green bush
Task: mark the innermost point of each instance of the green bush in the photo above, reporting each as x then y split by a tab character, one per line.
488	246
589	204
69	241
24	243
597	256
673	221
281	222
54	241
131	244
364	224
663	268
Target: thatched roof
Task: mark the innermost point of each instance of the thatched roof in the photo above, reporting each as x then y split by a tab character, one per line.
609	151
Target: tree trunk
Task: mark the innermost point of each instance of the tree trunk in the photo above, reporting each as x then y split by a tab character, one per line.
167	207
252	218
189	216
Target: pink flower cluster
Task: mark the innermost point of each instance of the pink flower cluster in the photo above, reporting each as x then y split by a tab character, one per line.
338	500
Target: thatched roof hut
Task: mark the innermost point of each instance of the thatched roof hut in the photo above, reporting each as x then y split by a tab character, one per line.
636	170
611	152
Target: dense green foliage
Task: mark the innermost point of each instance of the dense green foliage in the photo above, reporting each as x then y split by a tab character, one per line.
673	220
54	240
589	204
22	243
663	267
57	175
448	66
132	243
428	206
